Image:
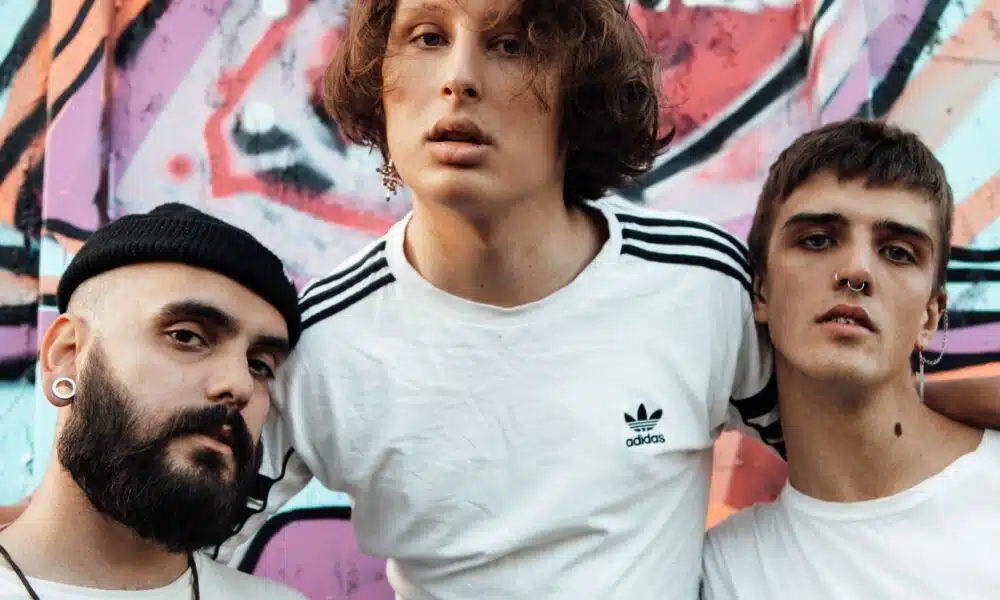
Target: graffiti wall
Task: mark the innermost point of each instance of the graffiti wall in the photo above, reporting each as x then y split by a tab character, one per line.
109	107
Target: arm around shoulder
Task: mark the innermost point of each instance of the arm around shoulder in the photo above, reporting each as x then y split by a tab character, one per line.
973	401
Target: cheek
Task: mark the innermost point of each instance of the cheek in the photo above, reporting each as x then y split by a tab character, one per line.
255	413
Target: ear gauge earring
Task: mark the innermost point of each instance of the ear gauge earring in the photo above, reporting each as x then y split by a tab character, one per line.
64	388
924	361
390	179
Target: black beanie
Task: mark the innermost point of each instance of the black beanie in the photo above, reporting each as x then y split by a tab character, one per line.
180	233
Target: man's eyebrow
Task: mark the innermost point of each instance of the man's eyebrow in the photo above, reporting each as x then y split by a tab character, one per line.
225	322
200	311
814	218
273	344
904	230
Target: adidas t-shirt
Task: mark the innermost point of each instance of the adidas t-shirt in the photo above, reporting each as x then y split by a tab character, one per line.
939	540
560	450
216	582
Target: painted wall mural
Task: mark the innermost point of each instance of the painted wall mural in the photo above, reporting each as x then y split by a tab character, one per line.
109	107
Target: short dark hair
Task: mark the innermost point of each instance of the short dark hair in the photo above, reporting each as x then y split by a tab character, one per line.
882	155
608	91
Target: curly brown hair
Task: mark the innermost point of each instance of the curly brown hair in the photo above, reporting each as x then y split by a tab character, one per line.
608	92
881	154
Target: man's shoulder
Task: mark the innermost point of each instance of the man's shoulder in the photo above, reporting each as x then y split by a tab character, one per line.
339	295
634	216
237	584
744	532
678	240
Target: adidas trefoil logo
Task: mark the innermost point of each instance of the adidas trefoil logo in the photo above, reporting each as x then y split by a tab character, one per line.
641	423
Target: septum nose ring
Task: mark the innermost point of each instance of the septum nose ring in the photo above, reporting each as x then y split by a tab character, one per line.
850	285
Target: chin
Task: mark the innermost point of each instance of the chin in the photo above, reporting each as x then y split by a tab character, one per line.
852	368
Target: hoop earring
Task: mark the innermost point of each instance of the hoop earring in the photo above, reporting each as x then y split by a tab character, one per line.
923	360
390	179
59	393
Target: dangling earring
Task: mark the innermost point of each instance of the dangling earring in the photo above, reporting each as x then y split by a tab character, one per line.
64	388
924	361
390	179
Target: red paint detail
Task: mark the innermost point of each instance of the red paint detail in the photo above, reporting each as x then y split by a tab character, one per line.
226	182
180	166
711	56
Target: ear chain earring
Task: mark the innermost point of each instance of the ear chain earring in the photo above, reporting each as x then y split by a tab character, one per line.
924	361
390	179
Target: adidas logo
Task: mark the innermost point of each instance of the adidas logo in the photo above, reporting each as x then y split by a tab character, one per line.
641	423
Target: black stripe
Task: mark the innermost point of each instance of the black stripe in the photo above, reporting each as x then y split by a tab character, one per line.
739	246
670	240
275	524
20	138
960	275
760	404
81	78
336	290
974	254
379	247
680	259
348	301
74	29
260	490
135	35
18	314
67	229
20	260
888	90
971	318
28	206
27	37
48	301
17	367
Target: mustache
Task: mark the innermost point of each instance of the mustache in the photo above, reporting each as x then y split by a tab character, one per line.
208	421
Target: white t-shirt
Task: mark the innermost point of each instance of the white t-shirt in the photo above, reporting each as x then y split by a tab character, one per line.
937	540
216	582
558	450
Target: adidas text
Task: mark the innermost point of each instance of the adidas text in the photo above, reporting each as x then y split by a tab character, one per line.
649	438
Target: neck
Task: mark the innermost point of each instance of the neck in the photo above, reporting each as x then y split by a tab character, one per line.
61	538
849	443
521	255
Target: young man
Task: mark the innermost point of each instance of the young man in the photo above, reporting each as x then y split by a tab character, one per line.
886	498
172	325
519	386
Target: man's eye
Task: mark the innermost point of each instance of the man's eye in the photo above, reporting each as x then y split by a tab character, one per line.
430	39
816	241
899	254
261	369
186	337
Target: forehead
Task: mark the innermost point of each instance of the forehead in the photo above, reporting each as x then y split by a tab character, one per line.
823	193
481	11
150	288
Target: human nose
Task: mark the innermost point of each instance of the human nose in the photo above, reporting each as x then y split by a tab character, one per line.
855	273
232	383
462	77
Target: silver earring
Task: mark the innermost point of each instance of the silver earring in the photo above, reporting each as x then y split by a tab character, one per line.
64	394
390	179
924	361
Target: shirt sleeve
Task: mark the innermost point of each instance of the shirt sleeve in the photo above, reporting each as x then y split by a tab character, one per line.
299	425
753	404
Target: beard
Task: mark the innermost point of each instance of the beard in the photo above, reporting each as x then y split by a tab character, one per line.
182	503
